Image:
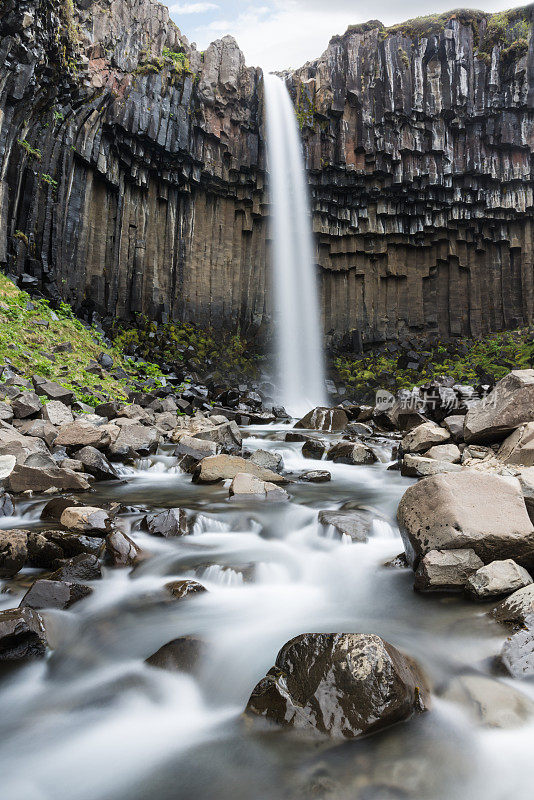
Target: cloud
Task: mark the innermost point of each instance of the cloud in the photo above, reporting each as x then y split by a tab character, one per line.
192	8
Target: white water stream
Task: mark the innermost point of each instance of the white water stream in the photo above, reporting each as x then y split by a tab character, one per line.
298	325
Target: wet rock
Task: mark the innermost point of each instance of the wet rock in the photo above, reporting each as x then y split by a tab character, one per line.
195	449
22	636
517	608
85	519
291	436
466	510
83	434
413	466
317	476
7	506
446	570
57	413
496	580
121	551
509	405
359	429
24	478
490	702
54	594
517	654
180	655
224	467
13	552
246	484
350	453
398	562
445	452
52	390
178	590
455	426
424	437
83	567
26	404
55	507
518	448
267	460
95	463
7	465
172	522
314	448
324	419
42	551
357	523
134	441
341	685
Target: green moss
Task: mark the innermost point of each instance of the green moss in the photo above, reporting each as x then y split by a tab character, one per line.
404	58
33	152
510	30
49	180
177	63
305	110
22	237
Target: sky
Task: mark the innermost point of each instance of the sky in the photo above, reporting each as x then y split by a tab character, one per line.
281	34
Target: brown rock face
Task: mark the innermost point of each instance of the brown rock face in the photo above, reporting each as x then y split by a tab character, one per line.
419	155
342	685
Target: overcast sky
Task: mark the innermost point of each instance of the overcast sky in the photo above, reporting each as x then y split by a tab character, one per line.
276	34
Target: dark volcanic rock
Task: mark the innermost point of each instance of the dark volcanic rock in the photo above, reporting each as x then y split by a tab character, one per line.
356	524
324	419
22	635
342	685
314	448
83	567
13	552
121	551
54	594
172	522
96	464
25	478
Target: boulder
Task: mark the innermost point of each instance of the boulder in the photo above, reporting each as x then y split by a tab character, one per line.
54	594
518	448
178	590
95	463
509	405
81	568
517	654
7	506
7	465
314	448
267	459
351	453
340	685
26	404
517	608
455	426
497	579
413	466
195	448
424	437
134	441
121	551
57	413
246	484
82	434
227	435
172	522
180	655
224	467
38	429
356	523
324	419
13	552
53	510
446	570
445	452
6	412
359	429
52	390
316	476
85	519
490	702
22	636
24	478
466	510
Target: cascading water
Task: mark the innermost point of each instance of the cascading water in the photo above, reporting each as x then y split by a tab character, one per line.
299	353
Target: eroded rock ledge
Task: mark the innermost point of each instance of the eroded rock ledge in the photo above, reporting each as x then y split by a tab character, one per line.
132	169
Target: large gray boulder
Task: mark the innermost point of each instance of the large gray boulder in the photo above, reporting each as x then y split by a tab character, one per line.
135	440
227	435
517	608
414	466
169	523
54	594
509	405
356	523
340	685
24	478
518	448
351	453
424	437
466	510
497	580
224	467
57	413
86	519
446	570
517	654
324	419
445	452
246	484
490	702
82	434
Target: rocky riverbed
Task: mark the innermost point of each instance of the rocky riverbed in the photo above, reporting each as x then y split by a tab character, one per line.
179	590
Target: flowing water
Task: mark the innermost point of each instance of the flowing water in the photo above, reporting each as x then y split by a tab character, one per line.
297	317
95	722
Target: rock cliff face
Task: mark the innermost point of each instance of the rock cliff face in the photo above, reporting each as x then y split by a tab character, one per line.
132	169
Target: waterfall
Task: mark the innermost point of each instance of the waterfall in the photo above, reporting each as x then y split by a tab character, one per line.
299	352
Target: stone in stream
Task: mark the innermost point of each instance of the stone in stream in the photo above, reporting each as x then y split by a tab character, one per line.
24	478
340	685
355	523
497	579
86	519
121	551
291	436
351	453
314	448
81	568
267	460
518	448
424	437
57	413
466	510
22	636
509	405
359	429
54	594
178	590
446	570
47	549
135	440
332	420
490	702
517	654
517	608
317	476
96	464
414	466
227	435
224	467
180	655
7	505
13	552
172	522
246	484
53	510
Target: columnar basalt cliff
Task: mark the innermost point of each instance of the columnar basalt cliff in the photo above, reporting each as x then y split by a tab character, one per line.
133	169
